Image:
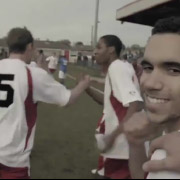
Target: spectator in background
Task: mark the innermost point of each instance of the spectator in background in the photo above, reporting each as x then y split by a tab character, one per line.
3	54
93	61
125	57
89	61
85	61
63	69
136	64
79	59
41	60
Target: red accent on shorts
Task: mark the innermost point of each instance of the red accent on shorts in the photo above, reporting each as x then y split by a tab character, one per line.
52	71
13	173
115	168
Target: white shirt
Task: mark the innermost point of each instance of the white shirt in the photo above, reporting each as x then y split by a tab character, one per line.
16	131
122	83
160	155
33	64
53	62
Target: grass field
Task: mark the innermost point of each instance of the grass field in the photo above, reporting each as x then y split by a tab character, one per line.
65	145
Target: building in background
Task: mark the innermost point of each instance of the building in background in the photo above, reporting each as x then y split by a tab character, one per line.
59	48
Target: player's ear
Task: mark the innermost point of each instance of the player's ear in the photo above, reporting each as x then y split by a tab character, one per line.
30	46
111	50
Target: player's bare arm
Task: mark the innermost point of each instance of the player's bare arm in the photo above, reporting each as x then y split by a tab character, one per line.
137	157
79	89
97	97
138	130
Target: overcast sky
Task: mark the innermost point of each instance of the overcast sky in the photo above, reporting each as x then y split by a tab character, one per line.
69	19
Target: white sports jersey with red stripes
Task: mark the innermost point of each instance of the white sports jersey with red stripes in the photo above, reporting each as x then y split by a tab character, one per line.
160	155
121	89
21	87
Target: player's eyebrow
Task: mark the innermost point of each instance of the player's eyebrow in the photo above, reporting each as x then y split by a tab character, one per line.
145	62
172	64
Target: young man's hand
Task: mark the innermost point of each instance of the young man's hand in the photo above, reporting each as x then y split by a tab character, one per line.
83	84
108	141
139	129
171	144
84	81
106	144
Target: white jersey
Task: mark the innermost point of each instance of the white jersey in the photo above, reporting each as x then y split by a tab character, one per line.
21	87
121	89
33	64
53	62
160	155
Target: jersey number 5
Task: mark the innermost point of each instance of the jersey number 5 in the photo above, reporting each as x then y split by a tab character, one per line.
5	103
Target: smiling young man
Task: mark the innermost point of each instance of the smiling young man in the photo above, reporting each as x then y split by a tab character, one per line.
160	84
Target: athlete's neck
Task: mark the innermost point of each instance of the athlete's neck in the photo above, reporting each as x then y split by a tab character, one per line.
173	126
21	57
105	67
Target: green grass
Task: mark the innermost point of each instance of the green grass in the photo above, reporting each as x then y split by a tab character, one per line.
65	143
75	69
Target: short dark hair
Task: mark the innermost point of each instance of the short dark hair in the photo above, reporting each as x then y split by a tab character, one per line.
113	41
125	56
168	25
41	51
18	39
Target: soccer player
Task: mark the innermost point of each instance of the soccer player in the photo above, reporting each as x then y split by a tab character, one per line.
21	88
63	69
160	84
53	62
121	99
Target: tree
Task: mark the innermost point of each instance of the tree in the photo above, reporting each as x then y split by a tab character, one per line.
66	42
136	47
79	44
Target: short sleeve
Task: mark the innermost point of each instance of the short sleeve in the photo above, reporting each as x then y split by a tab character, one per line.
47	90
124	88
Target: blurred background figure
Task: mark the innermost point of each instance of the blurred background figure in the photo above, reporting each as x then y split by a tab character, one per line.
3	54
52	63
63	69
41	60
